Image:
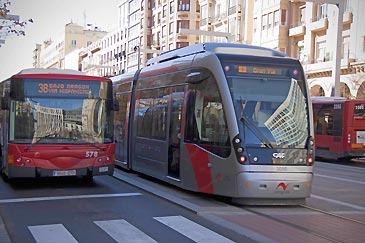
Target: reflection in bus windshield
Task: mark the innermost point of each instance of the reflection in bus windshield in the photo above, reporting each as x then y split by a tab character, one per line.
60	120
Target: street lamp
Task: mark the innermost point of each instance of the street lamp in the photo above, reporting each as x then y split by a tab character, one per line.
138	49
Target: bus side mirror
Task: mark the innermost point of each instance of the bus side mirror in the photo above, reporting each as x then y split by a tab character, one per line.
5	102
115	105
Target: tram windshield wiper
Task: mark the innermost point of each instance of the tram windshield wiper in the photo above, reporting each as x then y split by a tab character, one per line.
250	125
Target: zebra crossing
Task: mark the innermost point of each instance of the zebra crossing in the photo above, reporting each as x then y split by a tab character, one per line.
122	231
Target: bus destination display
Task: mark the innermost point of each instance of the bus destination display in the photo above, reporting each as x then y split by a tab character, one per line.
61	88
55	88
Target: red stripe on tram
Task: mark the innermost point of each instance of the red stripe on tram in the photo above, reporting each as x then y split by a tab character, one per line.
203	175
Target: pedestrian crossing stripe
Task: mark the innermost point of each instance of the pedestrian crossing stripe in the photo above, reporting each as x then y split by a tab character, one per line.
55	233
192	230
122	231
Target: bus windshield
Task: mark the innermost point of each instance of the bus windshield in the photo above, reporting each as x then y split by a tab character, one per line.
65	118
271	108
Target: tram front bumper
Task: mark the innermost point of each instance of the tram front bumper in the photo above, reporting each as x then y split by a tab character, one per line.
274	185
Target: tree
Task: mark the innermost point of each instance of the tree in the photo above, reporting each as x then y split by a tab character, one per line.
10	24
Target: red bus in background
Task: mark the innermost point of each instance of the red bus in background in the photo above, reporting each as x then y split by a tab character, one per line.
339	125
56	123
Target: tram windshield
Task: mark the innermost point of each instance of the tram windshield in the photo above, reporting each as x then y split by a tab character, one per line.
272	109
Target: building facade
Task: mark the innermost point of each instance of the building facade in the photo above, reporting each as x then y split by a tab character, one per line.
51	54
307	31
146	28
303	30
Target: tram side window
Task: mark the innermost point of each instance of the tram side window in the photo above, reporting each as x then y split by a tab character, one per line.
120	117
152	113
205	122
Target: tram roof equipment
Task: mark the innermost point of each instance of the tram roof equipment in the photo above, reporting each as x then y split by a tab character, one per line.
223	48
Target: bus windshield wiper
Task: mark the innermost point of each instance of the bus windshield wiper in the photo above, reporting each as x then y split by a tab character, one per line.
93	145
37	140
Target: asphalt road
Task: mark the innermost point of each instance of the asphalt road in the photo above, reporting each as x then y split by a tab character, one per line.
107	210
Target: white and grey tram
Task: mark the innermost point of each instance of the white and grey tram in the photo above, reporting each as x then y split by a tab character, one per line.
225	119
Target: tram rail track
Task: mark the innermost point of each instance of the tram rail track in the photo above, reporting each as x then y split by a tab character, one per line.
333	214
301	223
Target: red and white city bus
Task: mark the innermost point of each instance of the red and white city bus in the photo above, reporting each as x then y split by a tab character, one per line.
56	123
339	126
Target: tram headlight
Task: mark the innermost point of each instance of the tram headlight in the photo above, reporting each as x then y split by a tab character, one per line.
310	151
242	159
238	149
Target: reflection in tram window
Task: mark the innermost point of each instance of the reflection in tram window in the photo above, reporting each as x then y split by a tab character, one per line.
206	122
152	110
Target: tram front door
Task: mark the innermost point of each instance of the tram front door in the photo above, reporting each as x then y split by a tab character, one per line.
175	134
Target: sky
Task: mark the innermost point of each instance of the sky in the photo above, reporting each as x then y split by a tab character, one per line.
50	18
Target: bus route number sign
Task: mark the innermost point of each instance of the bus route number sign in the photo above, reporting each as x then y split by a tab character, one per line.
60	88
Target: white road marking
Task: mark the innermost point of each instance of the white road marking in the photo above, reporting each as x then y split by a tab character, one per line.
191	229
36	199
122	231
339	202
340	179
53	233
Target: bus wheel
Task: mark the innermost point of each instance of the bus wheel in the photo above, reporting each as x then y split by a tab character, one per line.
87	178
4	176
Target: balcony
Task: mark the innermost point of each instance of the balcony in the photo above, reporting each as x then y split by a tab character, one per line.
318	24
297	31
348	18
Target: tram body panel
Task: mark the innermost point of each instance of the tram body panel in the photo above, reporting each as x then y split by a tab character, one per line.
211	175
